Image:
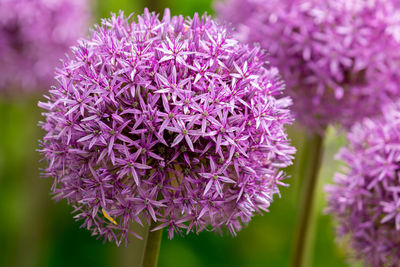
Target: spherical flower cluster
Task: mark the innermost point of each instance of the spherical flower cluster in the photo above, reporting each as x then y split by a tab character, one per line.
339	58
165	120
34	34
365	199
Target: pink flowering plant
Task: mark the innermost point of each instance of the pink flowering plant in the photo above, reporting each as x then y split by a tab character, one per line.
340	61
169	122
339	58
33	37
365	198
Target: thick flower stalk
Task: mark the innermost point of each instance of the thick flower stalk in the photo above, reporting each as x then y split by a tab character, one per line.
168	121
339	58
34	34
365	198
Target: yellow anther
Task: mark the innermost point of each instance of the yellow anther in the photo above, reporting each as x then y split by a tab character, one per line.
108	217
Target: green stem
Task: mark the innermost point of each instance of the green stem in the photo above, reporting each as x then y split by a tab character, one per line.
312	162
302	163
152	247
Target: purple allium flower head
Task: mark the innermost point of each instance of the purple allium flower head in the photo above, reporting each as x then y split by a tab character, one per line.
169	121
339	58
365	199
34	34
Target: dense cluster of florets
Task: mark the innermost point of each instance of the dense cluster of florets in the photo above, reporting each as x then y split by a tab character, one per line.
365	199
34	34
339	58
165	120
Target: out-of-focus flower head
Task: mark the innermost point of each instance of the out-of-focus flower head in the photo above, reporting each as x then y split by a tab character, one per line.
34	35
165	120
339	58
365	199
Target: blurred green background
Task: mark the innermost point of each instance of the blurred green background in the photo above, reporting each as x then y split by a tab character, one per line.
36	231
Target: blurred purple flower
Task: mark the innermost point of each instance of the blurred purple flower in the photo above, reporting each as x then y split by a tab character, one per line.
339	58
34	34
170	121
365	199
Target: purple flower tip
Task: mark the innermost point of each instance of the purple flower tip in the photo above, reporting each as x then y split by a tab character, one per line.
165	120
339	58
365	199
33	36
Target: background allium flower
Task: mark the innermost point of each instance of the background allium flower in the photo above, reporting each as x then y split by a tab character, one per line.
165	120
365	199
339	58
34	34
